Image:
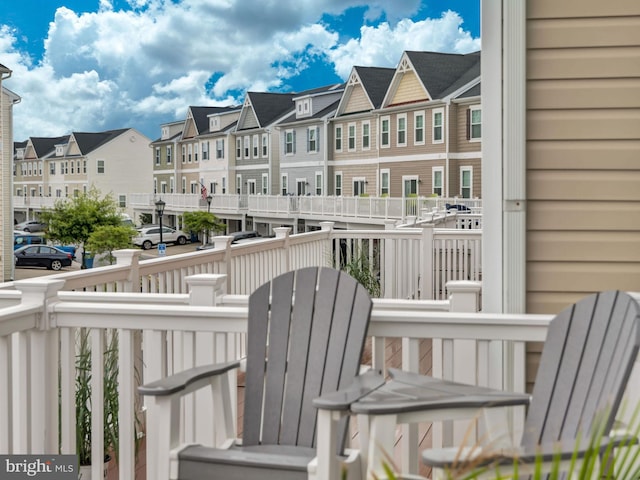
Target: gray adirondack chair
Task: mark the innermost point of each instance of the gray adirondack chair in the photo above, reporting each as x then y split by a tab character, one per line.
306	334
586	362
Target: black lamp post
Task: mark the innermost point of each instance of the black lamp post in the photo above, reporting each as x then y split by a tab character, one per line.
209	198
160	210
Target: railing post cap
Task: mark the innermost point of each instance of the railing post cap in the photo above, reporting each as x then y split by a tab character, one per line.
200	279
46	286
324	226
126	254
464	286
222	241
282	232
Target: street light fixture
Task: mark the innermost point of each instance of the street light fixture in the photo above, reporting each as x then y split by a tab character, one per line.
160	204
209	198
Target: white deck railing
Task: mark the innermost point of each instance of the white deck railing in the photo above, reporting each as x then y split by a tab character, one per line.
180	331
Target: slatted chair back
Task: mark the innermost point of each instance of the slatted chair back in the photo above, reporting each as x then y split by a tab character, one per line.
585	364
306	335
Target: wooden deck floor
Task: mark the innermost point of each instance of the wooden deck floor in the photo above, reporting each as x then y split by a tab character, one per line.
394	359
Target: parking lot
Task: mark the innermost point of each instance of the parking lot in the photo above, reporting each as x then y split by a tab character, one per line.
22	273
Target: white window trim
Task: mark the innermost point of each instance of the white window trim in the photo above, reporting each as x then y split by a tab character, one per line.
401	116
335	138
388	173
265	184
305	183
246	146
386	118
434	112
408	178
474	108
284	187
362	180
433	180
467	168
293	141
415	129
366	122
265	145
251	185
349	137
335	184
318	175
255	148
239	184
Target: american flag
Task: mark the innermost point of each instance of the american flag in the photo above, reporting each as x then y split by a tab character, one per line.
203	191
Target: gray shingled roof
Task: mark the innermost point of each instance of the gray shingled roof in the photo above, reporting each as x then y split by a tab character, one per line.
375	81
270	106
443	73
45	145
89	141
200	116
472	92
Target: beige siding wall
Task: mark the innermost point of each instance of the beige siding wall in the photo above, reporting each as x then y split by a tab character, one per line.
459	129
349	172
358	101
409	90
583	139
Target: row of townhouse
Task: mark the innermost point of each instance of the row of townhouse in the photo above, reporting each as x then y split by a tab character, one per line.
409	131
413	130
46	169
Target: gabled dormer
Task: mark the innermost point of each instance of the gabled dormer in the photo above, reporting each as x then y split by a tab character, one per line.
365	89
60	149
426	76
220	121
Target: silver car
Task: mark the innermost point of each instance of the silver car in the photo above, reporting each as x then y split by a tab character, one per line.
31	226
149	236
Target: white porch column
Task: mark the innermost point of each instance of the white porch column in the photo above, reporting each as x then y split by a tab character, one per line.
41	404
130	257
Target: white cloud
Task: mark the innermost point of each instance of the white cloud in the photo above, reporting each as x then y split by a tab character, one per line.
145	66
383	45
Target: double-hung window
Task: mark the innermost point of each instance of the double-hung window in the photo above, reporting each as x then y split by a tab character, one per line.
475	124
289	142
401	138
256	146
366	135
265	145
157	155
312	139
338	184
338	138
384	132
384	182
437	175
438	125
220	148
418	128
352	137
466	179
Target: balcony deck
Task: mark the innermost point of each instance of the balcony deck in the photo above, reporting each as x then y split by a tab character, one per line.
190	309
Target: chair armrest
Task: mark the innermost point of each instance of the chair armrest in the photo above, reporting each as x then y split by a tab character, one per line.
180	382
411	392
361	386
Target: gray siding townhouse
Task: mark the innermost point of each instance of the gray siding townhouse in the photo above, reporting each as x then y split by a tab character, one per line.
354	132
192	148
257	159
303	142
217	144
165	167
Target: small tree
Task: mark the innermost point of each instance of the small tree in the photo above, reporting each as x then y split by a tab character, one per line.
200	221
107	238
73	220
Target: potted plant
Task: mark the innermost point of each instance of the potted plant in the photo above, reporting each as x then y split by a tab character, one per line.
83	400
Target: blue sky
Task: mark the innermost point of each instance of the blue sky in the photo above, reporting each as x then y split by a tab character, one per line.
92	65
